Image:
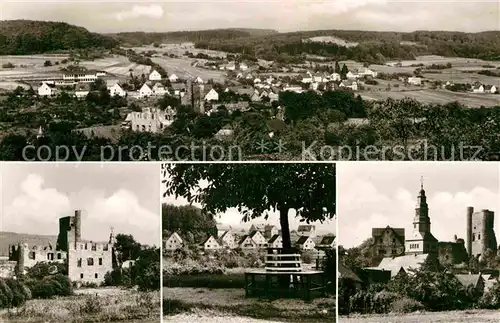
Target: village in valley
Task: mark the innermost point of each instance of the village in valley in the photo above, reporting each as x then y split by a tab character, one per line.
227	87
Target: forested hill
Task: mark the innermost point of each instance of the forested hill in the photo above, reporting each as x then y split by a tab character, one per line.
147	38
373	47
19	37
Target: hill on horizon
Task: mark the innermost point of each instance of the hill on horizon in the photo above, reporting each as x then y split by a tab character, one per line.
139	38
21	37
12	238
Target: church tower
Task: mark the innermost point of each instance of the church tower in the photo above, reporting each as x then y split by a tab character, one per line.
421	240
421	221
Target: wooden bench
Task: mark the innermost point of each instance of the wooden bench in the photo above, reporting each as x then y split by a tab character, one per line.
281	266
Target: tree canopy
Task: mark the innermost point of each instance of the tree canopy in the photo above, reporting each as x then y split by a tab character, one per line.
256	189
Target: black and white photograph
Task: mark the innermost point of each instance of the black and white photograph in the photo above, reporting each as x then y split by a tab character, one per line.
80	243
249	243
229	80
418	243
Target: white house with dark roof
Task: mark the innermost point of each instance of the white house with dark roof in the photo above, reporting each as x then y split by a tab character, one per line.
199	80
82	90
159	90
46	89
155	76
228	240
327	242
275	242
210	243
173	242
259	239
116	90
305	243
173	78
246	242
145	91
307	230
349	84
270	230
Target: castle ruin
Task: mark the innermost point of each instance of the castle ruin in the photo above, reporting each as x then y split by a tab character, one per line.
86	261
480	232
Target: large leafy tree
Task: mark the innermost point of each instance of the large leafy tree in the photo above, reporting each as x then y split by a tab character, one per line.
257	189
189	221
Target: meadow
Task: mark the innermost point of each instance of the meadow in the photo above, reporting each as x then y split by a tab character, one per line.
232	301
427	96
90	305
469	316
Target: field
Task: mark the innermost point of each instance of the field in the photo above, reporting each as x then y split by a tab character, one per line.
90	305
32	66
472	316
233	301
437	96
211	317
183	69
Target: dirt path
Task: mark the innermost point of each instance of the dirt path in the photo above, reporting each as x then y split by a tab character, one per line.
208	318
473	316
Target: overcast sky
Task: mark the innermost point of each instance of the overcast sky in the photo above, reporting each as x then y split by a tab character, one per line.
282	15
233	218
123	196
382	194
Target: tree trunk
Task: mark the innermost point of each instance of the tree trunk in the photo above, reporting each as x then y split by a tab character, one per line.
285	229
284	281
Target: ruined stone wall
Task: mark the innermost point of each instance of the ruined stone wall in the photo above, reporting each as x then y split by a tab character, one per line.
89	262
7	268
452	253
481	233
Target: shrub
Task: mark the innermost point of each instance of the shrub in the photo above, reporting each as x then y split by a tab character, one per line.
306	258
383	300
406	305
47	63
8	65
49	286
6	295
371	82
205	281
91	305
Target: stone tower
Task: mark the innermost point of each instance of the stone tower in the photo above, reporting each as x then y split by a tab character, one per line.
421	240
421	221
69	231
480	232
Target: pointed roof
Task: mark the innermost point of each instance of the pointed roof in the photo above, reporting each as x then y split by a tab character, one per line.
469	280
328	240
302	240
274	238
208	238
243	238
176	235
145	87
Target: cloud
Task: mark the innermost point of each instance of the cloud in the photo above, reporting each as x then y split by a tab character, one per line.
37	210
152	11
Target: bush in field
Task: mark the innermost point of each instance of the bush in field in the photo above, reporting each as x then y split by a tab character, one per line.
491	298
406	305
8	65
20	293
49	286
92	305
44	269
382	301
306	258
6	295
47	63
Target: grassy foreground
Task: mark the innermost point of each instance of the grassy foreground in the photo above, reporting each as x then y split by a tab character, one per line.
97	305
469	316
233	302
